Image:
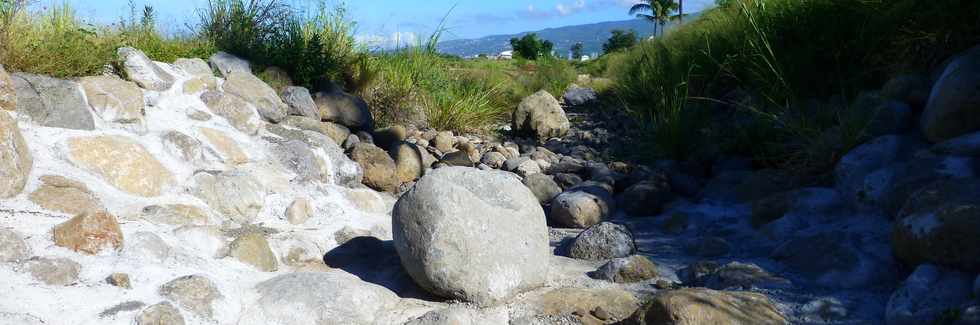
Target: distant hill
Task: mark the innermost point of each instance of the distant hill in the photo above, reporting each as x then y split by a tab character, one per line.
592	36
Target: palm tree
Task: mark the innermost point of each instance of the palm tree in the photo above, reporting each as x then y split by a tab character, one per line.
660	11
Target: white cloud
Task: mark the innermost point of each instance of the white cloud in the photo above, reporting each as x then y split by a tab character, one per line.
388	41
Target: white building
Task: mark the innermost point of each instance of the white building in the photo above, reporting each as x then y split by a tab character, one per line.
505	55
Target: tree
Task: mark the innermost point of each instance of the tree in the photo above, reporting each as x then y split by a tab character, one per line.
530	47
620	40
577	50
660	11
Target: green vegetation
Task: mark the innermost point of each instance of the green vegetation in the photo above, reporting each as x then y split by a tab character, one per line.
577	50
619	41
57	42
530	47
755	77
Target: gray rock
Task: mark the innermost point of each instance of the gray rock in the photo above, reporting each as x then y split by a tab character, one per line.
440	223
966	145
332	297
522	166
140	69
954	101
646	198
908	88
300	102
122	307
183	147
298	157
113	99
195	293
543	187
16	161
299	211
603	241
343	108
52	102
52	271
147	246
840	260
13	248
824	310
457	158
741	276
379	168
926	294
253	249
578	96
940	224
239	113
194	67
341	169
8	95
708	247
256	92
541	114
854	173
567	181
351	141
236	195
226	63
631	269
160	314
493	159
444	141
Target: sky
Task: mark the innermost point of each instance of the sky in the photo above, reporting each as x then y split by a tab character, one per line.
385	22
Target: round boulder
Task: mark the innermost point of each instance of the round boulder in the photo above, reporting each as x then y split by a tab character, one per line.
940	224
379	168
603	241
478	236
541	114
955	102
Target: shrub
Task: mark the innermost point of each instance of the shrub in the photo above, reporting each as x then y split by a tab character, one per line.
763	60
551	74
620	40
530	47
315	49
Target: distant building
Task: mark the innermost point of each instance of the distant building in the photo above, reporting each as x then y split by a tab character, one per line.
585	58
506	55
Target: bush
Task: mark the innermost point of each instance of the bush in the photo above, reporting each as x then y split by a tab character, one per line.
763	60
530	47
315	50
551	74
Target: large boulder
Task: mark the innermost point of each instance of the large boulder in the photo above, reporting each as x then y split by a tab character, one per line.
474	235
113	99
928	293
300	102
15	158
236	195
8	95
954	104
226	63
603	241
52	102
240	114
541	114
339	168
583	206
379	168
940	224
89	233
195	67
343	108
695	306
254	91
121	162
143	71
66	196
328	298
300	158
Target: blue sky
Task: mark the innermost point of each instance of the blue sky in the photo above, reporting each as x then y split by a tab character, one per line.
383	21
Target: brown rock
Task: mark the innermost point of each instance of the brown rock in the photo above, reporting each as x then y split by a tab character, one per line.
616	304
379	168
120	280
253	249
121	162
64	195
408	162
15	159
89	233
226	147
240	114
175	214
695	306
299	211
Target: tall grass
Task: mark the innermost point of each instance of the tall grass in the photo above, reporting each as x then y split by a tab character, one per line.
57	42
756	73
315	48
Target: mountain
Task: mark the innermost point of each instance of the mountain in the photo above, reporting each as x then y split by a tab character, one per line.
591	35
